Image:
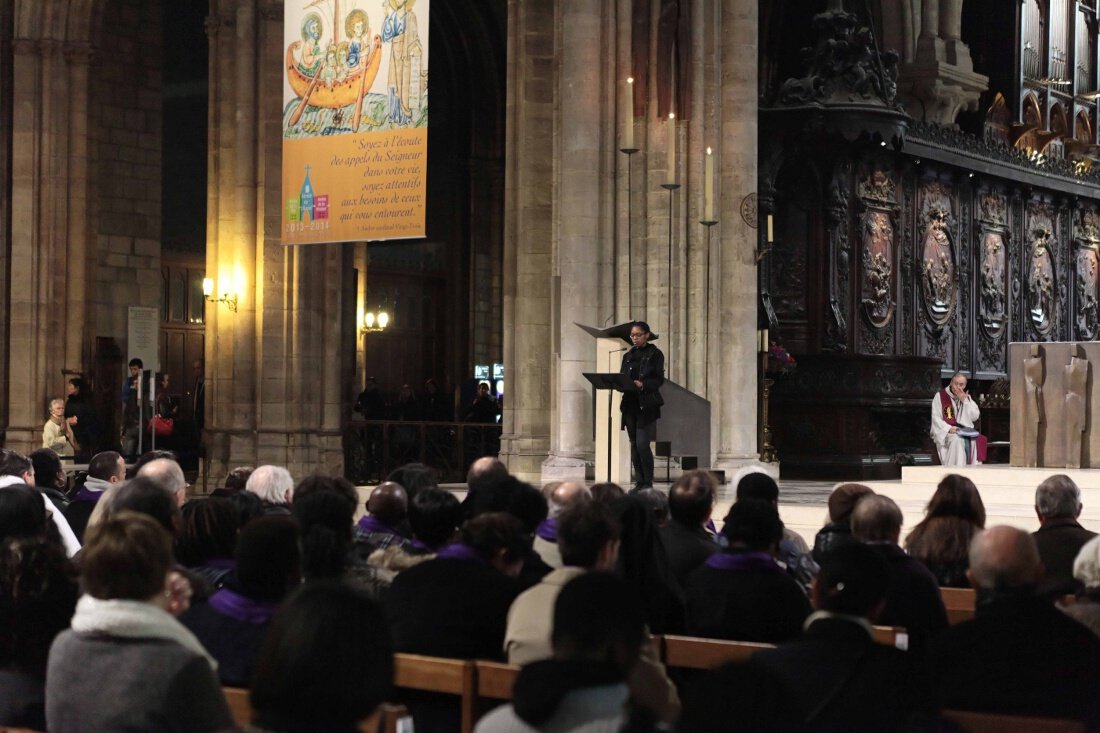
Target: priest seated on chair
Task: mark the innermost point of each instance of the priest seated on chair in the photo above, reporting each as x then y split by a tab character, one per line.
954	415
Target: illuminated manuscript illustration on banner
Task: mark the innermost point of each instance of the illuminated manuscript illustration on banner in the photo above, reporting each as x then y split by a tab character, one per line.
355	120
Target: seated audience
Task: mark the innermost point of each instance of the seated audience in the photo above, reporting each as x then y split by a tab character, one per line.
22	513
208	538
607	492
105	470
154	455
913	598
840	678
793	551
167	473
739	698
941	541
127	663
232	623
326	664
274	486
597	637
456	605
686	541
387	510
235	481
145	495
434	516
38	594
742	593
17	469
50	479
413	477
643	564
1059	537
1019	655
837	532
248	506
657	501
560	495
1086	569
484	475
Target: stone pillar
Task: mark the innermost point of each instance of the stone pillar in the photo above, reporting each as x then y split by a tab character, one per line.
581	144
733	407
528	231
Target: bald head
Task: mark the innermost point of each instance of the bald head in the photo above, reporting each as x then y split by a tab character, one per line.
167	474
486	467
566	494
1004	558
388	503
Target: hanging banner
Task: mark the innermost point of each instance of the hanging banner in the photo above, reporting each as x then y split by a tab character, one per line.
355	120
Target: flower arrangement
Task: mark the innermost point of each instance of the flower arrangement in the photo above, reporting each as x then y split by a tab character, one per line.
780	360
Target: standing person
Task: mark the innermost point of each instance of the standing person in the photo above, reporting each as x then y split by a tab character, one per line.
953	411
81	415
131	409
57	433
198	410
645	365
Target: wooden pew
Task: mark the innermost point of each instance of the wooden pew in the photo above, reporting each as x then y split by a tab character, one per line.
239	705
439	674
965	721
495	680
895	636
384	719
691	652
959	603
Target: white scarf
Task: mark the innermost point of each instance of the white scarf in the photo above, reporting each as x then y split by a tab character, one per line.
134	620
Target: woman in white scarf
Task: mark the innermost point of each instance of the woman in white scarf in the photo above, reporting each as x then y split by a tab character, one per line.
126	663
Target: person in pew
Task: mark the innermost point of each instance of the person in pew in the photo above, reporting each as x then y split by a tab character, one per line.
657	501
434	516
326	664
561	495
274	486
1019	655
739	698
387	510
1086	569
941	541
588	535
231	625
837	532
686	540
841	679
484	475
643	564
913	599
38	593
16	470
527	504
597	637
1059	537
456	605
793	551
208	538
50	478
742	593
127	663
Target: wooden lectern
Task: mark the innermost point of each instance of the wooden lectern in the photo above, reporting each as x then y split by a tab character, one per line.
612	445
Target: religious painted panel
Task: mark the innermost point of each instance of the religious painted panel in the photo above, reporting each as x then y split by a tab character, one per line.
1087	279
939	281
1041	283
991	300
878	272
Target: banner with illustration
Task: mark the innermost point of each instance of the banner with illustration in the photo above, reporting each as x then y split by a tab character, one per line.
355	120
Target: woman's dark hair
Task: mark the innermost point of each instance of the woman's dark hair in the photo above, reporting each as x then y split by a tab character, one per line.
126	557
607	492
643	564
642	325
237	478
493	531
434	515
954	515
38	592
319	482
22	512
753	525
853	580
413	477
325	520
248	506
47	466
528	505
326	662
269	561
208	531
14	463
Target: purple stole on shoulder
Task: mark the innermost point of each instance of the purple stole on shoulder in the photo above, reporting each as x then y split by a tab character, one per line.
744	562
234	605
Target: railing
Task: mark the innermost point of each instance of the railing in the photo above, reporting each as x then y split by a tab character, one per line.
373	448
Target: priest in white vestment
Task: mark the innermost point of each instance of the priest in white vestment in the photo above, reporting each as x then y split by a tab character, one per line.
952	411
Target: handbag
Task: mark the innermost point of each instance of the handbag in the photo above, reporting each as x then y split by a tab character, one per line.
161	427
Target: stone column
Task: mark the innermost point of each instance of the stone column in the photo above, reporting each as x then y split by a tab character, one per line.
581	180
733	407
528	230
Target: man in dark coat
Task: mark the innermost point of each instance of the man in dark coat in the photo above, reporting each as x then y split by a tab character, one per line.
1059	537
1019	655
687	542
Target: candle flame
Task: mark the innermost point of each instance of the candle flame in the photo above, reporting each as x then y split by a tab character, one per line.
672	115
630	80
708	150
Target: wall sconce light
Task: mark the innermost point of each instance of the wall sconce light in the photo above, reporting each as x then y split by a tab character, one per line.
230	299
374	323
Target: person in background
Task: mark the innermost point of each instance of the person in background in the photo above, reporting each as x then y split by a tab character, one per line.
81	415
57	433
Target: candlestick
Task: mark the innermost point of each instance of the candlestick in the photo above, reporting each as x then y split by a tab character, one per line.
771	231
708	187
671	148
628	116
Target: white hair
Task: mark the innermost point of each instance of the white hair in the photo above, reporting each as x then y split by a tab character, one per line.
1057	497
1086	567
56	401
165	472
270	483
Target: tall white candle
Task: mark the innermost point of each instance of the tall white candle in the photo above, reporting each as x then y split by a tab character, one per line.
771	231
628	115
671	148
708	187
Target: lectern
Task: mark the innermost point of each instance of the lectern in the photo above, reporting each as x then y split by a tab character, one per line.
611	383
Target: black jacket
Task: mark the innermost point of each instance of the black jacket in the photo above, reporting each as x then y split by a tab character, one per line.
648	365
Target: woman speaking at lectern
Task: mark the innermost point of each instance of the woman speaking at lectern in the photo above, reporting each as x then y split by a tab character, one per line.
644	365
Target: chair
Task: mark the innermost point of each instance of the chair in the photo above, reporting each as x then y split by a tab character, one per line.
438	674
968	722
240	707
959	603
694	653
